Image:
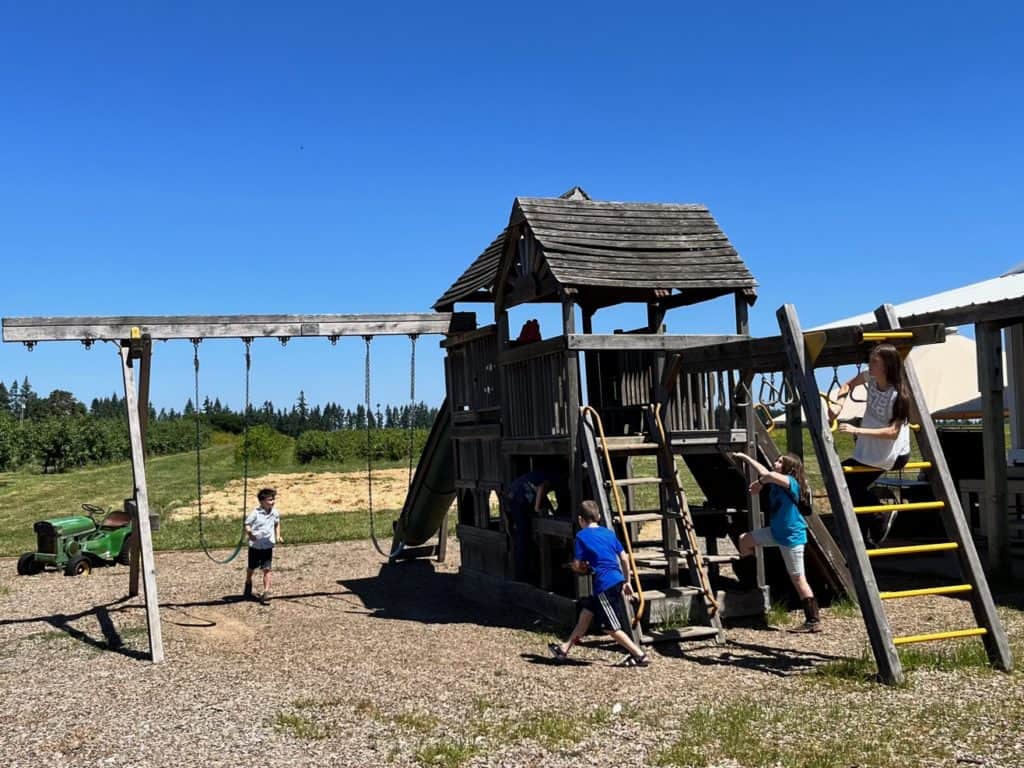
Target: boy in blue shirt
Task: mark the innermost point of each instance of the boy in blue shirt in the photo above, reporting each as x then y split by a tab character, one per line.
598	551
787	528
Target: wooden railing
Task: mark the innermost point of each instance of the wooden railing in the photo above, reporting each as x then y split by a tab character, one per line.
535	390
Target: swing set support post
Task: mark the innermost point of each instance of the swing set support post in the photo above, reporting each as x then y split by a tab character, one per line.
144	542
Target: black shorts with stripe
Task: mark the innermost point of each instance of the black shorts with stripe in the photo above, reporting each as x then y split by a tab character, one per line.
609	608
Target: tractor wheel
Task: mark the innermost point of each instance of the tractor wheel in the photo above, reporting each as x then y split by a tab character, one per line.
79	565
27	565
124	557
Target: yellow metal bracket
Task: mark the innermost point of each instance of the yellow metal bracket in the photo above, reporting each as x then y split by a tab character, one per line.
814	342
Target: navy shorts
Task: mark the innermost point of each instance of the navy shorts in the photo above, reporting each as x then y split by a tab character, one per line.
609	608
260	559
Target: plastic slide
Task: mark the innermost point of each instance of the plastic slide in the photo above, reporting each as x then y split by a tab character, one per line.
433	487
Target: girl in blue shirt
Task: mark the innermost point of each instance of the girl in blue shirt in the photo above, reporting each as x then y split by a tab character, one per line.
787	529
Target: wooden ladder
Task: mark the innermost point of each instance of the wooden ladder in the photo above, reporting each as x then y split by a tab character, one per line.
801	357
673	513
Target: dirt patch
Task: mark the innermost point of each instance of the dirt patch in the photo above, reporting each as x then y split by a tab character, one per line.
306	493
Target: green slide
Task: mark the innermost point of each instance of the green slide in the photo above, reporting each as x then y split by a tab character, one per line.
433	487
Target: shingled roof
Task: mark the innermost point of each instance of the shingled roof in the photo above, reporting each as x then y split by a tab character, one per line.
610	251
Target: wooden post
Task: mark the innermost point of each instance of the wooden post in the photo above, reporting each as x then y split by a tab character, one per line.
802	371
1014	345
756	516
145	538
795	429
572	404
995	517
134	564
144	366
985	614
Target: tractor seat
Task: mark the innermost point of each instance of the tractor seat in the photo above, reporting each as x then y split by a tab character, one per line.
116	519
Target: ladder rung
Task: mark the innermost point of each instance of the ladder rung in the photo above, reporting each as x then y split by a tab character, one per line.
641	517
913	506
914	549
908	465
627	481
950	590
975	632
623	447
886	335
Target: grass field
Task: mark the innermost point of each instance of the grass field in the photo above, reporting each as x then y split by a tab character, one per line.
26	497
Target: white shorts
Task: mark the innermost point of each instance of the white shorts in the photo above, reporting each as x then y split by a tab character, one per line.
792	556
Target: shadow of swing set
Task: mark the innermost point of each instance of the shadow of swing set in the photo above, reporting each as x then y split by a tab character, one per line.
686	400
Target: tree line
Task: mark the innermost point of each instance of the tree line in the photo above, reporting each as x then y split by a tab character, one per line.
21	402
59	431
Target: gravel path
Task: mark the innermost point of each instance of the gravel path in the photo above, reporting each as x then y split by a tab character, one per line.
363	666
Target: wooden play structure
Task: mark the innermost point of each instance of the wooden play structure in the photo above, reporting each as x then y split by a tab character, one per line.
626	418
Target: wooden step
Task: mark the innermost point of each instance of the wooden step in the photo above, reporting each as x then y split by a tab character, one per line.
662	562
630	481
631	445
640	517
650	595
680	635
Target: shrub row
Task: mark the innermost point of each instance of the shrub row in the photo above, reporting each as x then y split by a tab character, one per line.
343	445
60	443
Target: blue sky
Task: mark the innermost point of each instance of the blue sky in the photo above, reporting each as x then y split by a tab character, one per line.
208	158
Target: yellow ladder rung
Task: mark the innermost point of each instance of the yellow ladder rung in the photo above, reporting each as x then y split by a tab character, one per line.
950	590
914	549
886	335
907	466
940	636
915	427
905	507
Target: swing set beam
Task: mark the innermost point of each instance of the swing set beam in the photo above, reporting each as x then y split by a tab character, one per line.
30	330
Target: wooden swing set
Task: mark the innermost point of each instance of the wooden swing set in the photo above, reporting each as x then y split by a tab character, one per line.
134	337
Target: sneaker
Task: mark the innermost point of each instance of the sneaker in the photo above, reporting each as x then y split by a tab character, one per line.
635	661
808	627
265	598
557	652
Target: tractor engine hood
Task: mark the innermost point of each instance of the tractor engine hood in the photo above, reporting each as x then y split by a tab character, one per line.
65	526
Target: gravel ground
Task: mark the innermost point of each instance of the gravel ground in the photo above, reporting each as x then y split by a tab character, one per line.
363	666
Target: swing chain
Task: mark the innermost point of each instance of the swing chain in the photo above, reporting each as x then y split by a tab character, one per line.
412	398
835	384
247	340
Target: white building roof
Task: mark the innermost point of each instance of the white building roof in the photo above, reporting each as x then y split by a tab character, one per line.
1007	287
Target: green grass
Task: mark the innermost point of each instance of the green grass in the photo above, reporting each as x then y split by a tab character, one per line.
847	729
777	615
26	497
300	727
446	753
969	655
844	608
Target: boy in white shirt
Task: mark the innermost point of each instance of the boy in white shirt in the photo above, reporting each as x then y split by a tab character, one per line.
263	529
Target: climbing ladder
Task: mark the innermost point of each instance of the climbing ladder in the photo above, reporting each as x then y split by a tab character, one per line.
801	352
673	513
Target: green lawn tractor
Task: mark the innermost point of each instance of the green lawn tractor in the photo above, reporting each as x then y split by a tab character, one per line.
77	543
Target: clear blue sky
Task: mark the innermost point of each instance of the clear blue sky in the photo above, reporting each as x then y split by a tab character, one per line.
172	158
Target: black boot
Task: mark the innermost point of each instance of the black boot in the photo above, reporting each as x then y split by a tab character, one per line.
812	619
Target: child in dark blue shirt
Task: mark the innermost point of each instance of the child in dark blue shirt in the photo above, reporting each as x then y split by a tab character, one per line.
598	551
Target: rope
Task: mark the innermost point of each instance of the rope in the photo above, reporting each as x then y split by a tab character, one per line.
369	457
199	477
412	398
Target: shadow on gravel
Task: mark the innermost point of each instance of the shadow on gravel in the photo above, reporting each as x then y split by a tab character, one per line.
780	662
110	639
548	661
414	591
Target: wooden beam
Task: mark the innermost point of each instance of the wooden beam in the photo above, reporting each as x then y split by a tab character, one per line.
802	371
35	329
145	536
659	342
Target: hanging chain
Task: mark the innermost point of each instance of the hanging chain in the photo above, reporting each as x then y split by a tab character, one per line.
245	430
195	413
369	448
412	398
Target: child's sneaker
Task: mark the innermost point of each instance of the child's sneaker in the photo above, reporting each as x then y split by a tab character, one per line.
808	627
643	660
557	652
265	598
